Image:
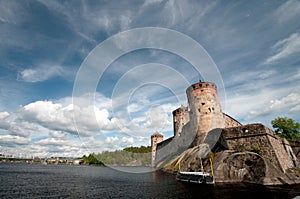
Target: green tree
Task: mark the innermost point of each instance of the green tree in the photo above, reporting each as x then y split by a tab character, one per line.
92	160
286	127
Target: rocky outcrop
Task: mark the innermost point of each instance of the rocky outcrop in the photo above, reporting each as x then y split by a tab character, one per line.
232	167
241	167
295	144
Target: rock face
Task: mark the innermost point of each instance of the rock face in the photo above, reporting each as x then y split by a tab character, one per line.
191	159
232	167
242	167
251	168
295	144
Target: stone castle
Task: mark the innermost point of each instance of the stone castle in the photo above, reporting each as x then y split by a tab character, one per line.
250	152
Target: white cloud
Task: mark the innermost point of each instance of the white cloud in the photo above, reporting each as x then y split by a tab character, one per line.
4	124
151	2
287	11
295	109
285	48
56	142
49	124
8	10
8	140
58	135
3	115
290	102
133	107
42	73
158	118
59	117
127	141
111	140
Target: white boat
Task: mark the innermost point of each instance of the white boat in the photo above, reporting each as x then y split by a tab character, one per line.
195	177
199	177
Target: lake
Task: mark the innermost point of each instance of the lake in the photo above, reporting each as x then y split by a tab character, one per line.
18	180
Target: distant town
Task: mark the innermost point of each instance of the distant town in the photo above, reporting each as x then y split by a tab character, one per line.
130	156
51	160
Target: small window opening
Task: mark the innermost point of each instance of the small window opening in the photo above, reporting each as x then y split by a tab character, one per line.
245	130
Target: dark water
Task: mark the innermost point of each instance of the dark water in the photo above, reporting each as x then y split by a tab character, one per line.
65	181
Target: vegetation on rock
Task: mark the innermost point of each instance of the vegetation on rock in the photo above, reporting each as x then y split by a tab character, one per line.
286	128
131	156
91	160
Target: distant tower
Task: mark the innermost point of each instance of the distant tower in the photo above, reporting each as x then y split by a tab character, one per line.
155	139
181	116
205	109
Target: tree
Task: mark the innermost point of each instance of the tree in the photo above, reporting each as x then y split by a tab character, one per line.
286	127
92	160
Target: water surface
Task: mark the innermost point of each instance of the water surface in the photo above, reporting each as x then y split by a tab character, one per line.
67	181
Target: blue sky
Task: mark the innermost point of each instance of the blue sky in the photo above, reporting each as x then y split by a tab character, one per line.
255	46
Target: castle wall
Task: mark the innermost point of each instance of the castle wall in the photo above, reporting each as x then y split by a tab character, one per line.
176	144
231	122
257	137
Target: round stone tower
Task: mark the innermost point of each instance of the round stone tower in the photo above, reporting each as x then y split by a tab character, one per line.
205	109
155	139
180	118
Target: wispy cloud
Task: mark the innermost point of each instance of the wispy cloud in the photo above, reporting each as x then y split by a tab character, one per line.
288	11
9	140
43	73
290	102
284	48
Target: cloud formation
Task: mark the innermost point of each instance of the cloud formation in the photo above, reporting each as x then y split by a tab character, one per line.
255	46
291	103
42	73
285	48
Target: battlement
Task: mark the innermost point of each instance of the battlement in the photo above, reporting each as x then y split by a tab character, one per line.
200	85
157	135
202	88
249	130
180	110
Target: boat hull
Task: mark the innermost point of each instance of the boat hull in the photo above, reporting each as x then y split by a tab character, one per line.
195	177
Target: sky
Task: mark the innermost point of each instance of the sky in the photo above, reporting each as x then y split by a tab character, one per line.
86	76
